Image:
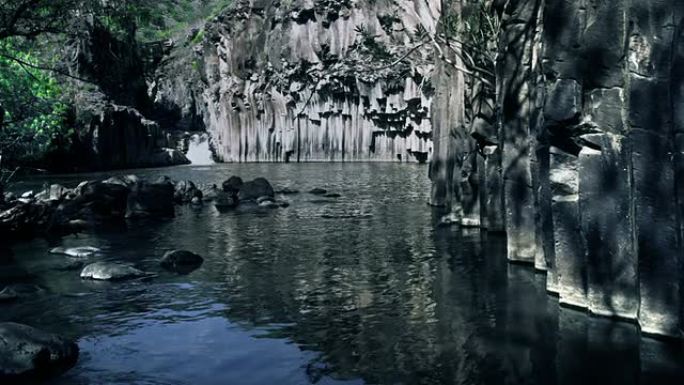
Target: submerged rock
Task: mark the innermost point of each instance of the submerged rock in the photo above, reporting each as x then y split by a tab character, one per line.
110	271
181	261
318	191
27	353
225	201
77	252
332	195
21	290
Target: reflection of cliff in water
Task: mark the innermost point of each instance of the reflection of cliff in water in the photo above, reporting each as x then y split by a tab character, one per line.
408	312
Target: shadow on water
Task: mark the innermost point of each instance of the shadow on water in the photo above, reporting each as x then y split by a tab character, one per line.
363	289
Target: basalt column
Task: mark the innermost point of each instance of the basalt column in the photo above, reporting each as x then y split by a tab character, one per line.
454	168
652	133
514	71
677	86
563	26
607	223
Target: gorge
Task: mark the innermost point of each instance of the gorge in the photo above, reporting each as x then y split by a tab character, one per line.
464	191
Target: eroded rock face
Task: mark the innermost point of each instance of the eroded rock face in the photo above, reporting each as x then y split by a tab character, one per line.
28	353
276	81
586	161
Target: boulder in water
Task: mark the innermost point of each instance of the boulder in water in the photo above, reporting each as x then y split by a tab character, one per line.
110	271
151	200
181	261
76	252
211	193
186	191
318	191
27	353
252	190
102	199
332	195
232	185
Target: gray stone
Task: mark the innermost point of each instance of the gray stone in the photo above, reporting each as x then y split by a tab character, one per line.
657	232
27	353
151	200
232	185
254	189
564	101
185	191
607	227
492	191
605	108
110	271
569	250
181	261
77	252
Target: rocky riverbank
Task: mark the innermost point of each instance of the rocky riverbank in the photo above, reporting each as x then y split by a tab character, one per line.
58	210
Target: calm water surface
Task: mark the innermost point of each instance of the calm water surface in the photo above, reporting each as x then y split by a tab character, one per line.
363	289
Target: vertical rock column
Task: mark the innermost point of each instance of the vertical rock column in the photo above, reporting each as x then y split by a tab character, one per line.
491	190
564	22
514	76
607	223
445	102
605	172
569	246
652	134
677	87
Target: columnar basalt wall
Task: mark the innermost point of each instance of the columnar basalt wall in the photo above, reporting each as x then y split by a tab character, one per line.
591	141
324	80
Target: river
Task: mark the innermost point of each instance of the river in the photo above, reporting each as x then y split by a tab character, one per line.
361	289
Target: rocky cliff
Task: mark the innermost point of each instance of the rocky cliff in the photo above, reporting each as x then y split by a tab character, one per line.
118	125
303	80
583	170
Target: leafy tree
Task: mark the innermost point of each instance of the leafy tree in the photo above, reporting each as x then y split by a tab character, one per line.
33	114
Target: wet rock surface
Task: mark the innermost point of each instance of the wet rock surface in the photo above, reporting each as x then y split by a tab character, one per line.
111	271
181	261
27	353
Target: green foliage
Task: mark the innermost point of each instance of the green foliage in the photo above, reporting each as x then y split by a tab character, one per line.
153	20
34	115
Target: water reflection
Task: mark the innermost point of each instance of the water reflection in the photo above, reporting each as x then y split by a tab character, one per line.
363	289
